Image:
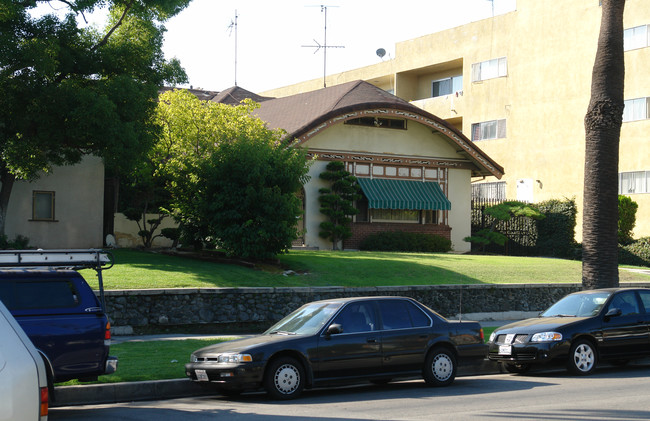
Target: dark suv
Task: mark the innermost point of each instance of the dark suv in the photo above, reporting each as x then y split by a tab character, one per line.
59	311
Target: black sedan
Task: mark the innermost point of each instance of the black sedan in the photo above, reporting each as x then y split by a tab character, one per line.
346	340
579	330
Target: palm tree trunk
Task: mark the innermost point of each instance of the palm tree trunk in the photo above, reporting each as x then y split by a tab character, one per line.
603	128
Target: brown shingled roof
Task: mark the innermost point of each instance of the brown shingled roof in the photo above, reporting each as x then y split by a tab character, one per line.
235	95
297	114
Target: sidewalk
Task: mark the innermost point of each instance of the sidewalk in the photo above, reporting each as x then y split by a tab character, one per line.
180	388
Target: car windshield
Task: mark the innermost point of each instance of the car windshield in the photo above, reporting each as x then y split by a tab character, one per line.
578	305
307	320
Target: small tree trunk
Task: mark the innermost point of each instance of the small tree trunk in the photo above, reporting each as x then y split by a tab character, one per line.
7	179
603	128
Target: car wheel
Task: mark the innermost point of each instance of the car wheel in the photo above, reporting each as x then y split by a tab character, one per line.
516	368
285	378
582	358
440	367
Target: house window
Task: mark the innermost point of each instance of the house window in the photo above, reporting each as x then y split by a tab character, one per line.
636	109
489	69
494	129
395	215
489	191
384	123
637	37
43	206
634	182
447	86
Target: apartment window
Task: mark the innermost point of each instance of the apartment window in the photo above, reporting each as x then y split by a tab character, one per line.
489	69
637	37
447	86
494	129
634	182
490	191
636	109
43	206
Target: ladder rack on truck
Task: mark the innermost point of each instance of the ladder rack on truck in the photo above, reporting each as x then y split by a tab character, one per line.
95	259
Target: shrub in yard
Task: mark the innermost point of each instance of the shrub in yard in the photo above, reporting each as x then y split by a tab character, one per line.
626	219
556	232
406	242
637	253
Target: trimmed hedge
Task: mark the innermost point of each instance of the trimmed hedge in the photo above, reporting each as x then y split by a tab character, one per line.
406	242
556	232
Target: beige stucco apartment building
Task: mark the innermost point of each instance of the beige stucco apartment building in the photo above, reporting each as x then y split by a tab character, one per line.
518	85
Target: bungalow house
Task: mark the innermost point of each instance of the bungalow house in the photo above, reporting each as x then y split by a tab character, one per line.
414	168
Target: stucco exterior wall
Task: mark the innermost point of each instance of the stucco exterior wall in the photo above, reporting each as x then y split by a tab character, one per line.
460	218
126	231
79	198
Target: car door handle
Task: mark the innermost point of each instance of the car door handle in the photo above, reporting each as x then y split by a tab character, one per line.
371	340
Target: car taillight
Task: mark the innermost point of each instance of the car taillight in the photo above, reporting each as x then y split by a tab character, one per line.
482	336
107	334
45	396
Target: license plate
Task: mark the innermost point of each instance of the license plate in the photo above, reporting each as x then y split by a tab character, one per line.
505	350
201	375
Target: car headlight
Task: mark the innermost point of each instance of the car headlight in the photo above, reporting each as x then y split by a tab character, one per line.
546	337
493	336
234	358
193	358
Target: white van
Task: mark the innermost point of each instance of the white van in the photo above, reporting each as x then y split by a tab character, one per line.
23	381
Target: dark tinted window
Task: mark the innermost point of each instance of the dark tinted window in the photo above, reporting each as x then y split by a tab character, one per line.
34	295
626	302
645	298
357	317
402	314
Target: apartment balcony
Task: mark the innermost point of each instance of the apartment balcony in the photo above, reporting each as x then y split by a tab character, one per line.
447	107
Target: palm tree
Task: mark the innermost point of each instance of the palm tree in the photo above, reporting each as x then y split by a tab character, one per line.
603	129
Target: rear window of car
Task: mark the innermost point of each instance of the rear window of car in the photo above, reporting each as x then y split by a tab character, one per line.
29	295
402	314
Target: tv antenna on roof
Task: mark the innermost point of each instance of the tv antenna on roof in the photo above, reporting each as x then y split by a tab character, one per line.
233	27
324	46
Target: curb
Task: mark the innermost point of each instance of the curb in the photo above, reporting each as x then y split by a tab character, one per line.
182	388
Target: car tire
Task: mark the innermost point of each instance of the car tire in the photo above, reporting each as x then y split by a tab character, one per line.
516	368
440	367
583	357
284	379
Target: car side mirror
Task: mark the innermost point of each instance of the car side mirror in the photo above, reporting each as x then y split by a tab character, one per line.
613	312
334	329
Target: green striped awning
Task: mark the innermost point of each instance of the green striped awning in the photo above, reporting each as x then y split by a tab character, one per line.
403	194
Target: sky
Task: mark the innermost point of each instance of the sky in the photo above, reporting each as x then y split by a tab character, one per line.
277	40
271	36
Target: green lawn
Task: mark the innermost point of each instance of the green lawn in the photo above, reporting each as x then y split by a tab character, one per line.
142	270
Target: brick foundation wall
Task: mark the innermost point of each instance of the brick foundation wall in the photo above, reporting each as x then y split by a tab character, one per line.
361	230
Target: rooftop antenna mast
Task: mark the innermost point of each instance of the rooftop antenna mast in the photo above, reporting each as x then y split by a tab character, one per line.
231	27
318	46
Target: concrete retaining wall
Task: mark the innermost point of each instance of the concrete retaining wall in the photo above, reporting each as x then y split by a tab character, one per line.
264	306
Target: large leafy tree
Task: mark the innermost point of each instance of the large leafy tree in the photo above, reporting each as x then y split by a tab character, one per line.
603	128
231	179
69	89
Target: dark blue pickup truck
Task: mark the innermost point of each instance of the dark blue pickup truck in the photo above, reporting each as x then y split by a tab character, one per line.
59	311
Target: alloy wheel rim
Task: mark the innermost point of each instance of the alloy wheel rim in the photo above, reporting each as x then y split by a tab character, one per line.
287	379
583	358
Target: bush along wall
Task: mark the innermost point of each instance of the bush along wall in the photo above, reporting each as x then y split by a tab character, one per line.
405	242
637	253
556	232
